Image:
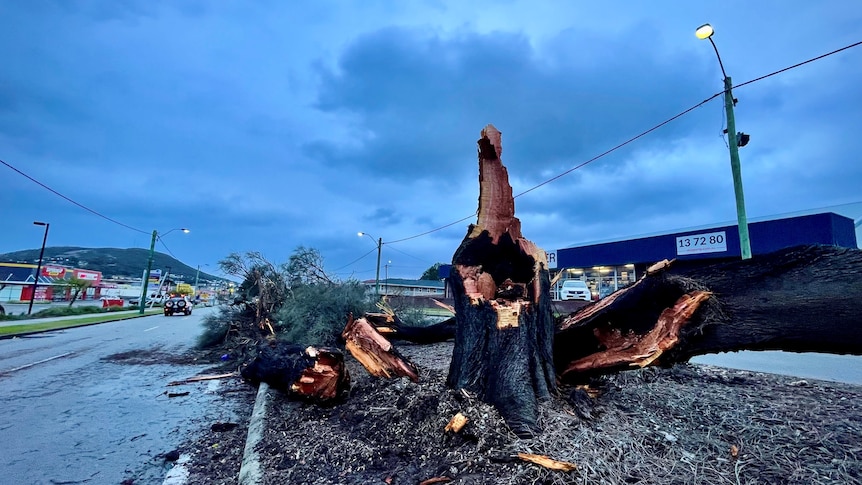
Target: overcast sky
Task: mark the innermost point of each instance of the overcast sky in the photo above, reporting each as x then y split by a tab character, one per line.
266	125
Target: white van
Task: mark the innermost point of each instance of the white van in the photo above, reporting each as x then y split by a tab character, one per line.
575	290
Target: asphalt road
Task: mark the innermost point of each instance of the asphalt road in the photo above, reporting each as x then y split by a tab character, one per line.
73	412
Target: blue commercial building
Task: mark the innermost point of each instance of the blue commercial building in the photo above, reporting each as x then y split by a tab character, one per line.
608	266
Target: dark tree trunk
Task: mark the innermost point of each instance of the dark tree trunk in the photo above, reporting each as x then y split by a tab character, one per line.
393	328
500	282
803	299
315	374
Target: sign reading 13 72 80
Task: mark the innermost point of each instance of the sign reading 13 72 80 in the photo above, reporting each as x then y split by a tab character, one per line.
712	242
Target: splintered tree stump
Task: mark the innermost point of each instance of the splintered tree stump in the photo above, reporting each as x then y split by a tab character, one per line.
316	374
802	299
504	325
379	357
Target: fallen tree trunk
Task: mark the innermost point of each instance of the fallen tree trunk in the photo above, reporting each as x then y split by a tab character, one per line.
316	374
803	299
393	328
501	289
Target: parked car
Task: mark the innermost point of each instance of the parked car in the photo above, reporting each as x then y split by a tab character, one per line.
575	290
178	304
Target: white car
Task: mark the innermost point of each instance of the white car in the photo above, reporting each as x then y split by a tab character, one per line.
575	290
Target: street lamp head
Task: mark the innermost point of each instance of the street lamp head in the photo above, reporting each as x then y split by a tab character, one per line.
40	223
185	230
360	233
703	32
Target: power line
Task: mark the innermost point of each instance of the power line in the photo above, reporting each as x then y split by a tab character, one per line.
410	255
432	230
355	260
168	249
82	206
797	65
632	139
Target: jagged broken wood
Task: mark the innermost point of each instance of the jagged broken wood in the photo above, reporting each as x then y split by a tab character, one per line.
802	299
379	357
501	288
316	374
457	423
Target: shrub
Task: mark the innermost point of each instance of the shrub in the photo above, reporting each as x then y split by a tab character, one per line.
315	314
216	326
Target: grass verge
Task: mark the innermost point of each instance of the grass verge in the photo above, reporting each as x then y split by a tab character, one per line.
27	328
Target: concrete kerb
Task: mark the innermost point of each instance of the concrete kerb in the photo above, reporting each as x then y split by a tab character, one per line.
250	472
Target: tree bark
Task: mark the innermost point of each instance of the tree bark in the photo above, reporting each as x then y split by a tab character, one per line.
314	374
803	299
504	331
393	328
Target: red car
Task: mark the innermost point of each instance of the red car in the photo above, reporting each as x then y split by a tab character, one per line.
178	304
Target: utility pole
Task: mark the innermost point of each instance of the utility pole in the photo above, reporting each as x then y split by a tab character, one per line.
733	144
706	31
145	283
377	279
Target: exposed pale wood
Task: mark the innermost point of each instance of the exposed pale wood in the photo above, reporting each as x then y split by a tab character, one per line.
444	305
501	289
316	374
802	299
379	357
548	463
640	350
457	423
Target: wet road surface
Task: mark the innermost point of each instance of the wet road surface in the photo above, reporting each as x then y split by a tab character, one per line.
74	411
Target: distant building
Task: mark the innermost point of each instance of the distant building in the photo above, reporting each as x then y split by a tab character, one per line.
611	265
608	266
405	287
16	282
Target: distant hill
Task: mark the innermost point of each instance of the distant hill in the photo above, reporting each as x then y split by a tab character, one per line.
110	261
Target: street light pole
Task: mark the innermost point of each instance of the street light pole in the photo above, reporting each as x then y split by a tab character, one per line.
146	282
196	278
39	265
705	32
386	279
379	243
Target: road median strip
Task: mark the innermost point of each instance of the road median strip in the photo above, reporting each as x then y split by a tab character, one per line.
9	331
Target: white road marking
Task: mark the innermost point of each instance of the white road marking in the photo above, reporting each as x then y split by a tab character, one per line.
151	328
37	363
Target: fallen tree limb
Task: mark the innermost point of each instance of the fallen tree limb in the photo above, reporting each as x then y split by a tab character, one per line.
393	328
316	374
379	357
202	378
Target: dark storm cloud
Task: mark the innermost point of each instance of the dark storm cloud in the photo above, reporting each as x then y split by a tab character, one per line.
420	100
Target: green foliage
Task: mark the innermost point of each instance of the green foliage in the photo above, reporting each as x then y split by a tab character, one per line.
77	285
261	279
216	326
305	267
432	273
414	317
316	314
